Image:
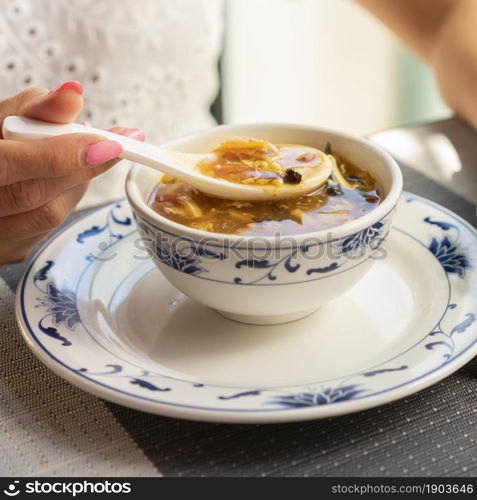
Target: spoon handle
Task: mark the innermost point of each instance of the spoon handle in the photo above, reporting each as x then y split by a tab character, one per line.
22	128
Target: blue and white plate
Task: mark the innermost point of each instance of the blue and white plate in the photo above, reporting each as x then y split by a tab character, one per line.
93	308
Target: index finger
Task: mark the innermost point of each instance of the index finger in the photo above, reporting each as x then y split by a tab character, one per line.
61	105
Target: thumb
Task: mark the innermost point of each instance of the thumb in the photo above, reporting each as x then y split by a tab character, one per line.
61	105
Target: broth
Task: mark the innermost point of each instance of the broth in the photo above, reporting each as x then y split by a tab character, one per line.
349	193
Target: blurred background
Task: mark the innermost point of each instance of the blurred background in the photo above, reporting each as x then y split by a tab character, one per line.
325	62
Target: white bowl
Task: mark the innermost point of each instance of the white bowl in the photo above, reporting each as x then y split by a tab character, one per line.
268	280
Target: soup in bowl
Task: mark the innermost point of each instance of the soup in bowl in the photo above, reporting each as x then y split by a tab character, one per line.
272	261
348	193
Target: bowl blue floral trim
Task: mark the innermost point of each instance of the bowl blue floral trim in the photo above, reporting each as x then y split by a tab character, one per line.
190	257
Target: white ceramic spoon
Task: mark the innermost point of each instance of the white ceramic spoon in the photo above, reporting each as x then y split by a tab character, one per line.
177	164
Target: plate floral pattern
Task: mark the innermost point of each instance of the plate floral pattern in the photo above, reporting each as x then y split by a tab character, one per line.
48	314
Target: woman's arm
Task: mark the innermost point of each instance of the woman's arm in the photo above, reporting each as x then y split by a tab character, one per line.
442	32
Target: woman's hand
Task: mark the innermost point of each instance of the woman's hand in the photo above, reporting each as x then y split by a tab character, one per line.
42	181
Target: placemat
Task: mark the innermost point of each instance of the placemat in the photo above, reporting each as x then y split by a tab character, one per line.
51	428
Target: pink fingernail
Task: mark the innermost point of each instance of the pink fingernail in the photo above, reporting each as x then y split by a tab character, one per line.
135	133
86	123
70	85
103	151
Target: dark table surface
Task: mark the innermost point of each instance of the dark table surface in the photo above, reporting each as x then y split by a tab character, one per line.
60	430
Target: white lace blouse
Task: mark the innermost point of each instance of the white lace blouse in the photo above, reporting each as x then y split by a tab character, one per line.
150	64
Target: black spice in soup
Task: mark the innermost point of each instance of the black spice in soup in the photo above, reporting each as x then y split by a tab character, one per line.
292	176
349	193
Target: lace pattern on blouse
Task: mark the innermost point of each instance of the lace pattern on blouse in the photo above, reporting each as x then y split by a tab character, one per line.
143	63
